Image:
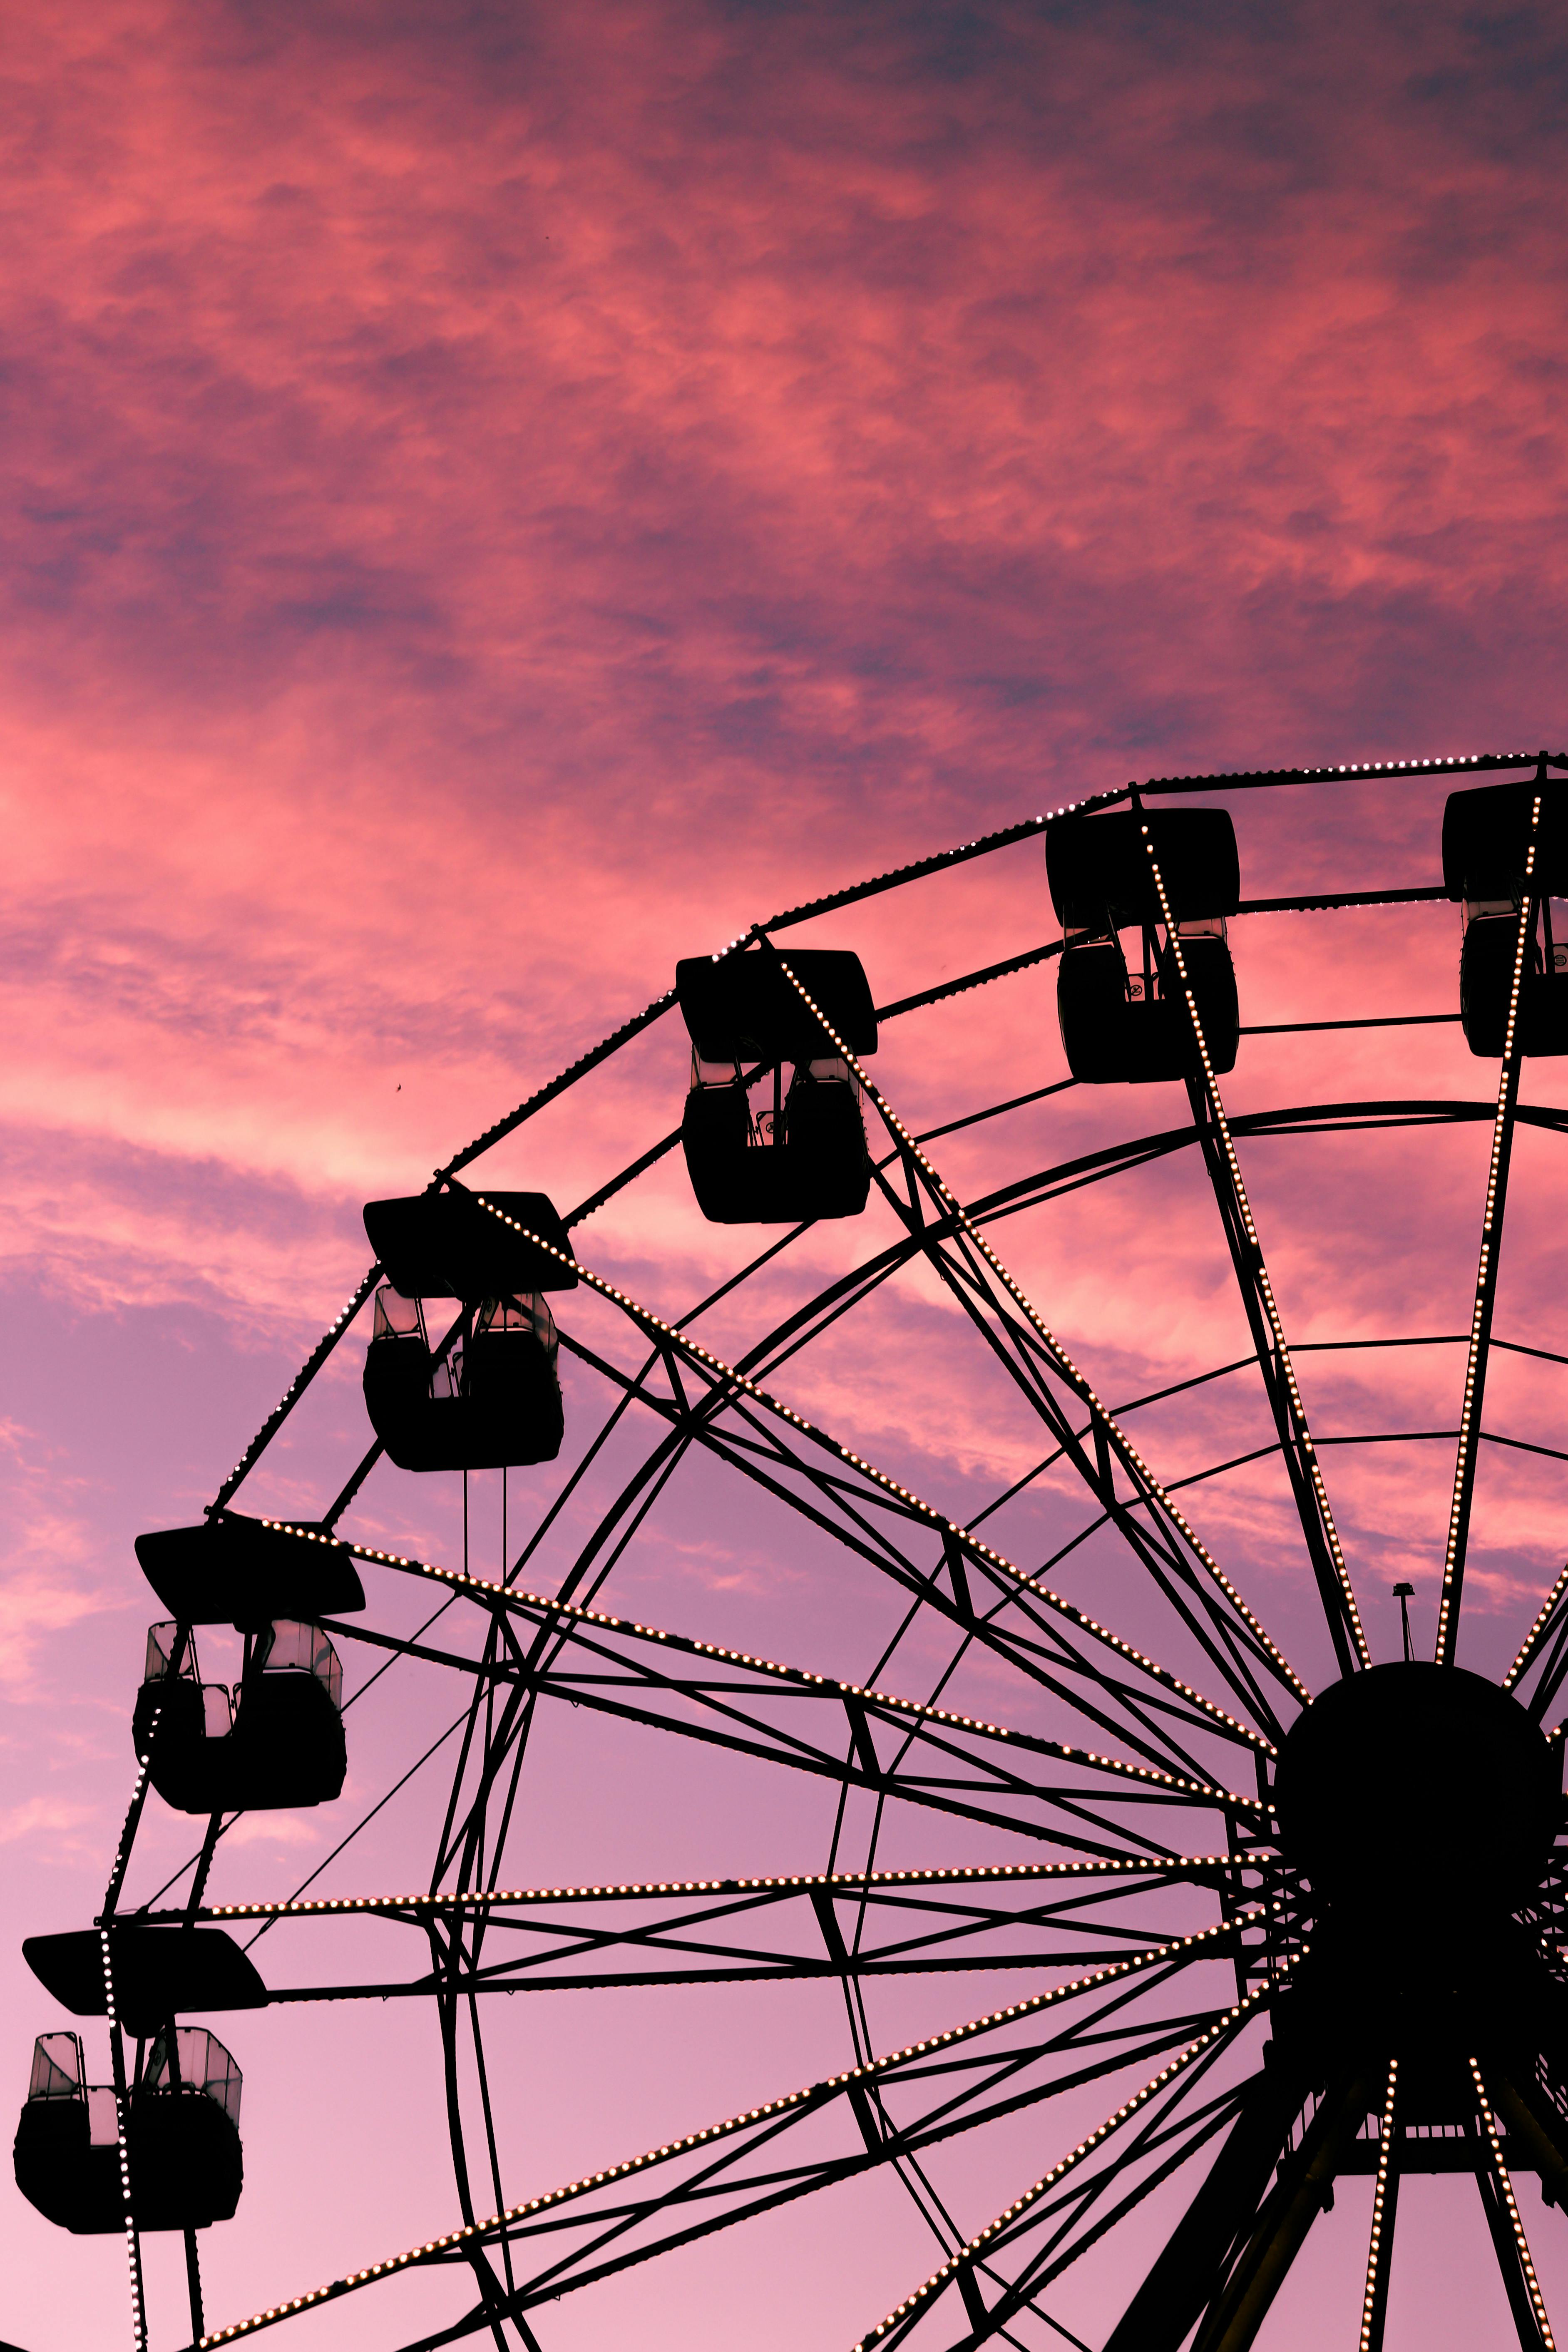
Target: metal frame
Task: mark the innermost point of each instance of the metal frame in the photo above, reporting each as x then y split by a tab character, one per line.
1164	1797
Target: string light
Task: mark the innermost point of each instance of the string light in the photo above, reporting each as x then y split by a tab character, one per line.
949	1530
1165	1865
1179	1950
1500	2170
1376	2267
327	1341
971	2246
1131	1459
511	1598
1298	1410
122	2101
1475	1372
1526	1648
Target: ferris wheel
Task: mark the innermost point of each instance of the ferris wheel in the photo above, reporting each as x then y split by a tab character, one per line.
1252	1910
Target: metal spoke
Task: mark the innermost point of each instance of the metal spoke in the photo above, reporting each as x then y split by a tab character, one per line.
965	1771
1532	2316
773	1930
853	1476
974	2082
1268	1328
1487	1266
1010	1298
1207	2045
1380	2246
1550	1629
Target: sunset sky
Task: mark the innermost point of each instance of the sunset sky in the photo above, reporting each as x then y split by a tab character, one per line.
500	497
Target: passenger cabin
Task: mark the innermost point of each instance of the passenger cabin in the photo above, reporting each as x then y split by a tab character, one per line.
1130	1023
761	1149
1486	843
487	1395
276	1740
182	2137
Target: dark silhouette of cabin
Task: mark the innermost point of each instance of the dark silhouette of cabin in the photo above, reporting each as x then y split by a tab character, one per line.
234	1570
761	1149
1133	1025
158	1971
1485	842
489	1396
276	1740
182	2134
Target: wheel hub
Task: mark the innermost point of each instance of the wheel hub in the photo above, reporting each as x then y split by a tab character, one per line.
1420	1803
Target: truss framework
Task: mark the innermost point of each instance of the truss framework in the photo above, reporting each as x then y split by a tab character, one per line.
1169	2025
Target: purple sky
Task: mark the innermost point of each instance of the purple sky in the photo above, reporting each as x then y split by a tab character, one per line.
501	498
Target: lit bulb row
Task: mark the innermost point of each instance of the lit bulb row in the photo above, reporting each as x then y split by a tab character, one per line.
1501	2170
1064	1362
922	866
143	1764
1064	1753
1367	767
810	2092
545	1093
1484	1263
1074	2157
132	2261
134	2267
1281	1351
344	1315
928	1511
1379	2195
1170	1865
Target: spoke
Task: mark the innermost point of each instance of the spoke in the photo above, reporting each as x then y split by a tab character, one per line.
947	2275
957	2057
1504	2186
964	1758
1380	2248
1201	1868
727	1385
1487	1266
857	1506
1110	1435
771	1930
295	1391
1221	2214
1551	1626
1268	1330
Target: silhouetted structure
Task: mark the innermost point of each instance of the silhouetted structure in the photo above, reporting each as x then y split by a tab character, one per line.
181	2137
1486	850
489	1395
800	1153
1132	1025
276	1740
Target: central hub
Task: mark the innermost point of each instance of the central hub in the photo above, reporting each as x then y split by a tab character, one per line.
1417	1794
1420	1803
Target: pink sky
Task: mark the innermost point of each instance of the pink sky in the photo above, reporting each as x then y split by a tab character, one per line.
499	499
